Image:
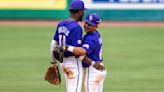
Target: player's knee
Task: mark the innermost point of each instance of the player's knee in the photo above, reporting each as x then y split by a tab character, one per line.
70	75
103	74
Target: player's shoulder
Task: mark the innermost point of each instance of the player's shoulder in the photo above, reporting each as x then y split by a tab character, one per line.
75	24
92	36
70	24
89	37
95	34
63	22
76	27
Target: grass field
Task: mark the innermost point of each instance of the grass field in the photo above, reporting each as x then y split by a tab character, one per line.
134	58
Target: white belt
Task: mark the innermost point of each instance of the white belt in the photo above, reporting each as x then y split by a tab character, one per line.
70	57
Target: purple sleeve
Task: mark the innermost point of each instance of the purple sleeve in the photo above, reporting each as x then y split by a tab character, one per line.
56	34
76	36
88	45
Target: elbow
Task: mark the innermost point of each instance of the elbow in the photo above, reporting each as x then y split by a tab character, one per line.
82	52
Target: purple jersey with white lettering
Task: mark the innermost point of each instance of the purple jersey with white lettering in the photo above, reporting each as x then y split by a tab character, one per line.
68	32
92	43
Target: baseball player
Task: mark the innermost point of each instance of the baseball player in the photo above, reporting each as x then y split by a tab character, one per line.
70	32
92	43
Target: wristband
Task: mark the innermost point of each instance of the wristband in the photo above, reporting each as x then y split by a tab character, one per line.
70	48
81	57
93	62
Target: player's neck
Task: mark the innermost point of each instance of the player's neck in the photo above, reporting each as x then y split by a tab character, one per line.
73	17
90	32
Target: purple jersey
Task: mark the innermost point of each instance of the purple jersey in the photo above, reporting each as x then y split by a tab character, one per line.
68	32
92	43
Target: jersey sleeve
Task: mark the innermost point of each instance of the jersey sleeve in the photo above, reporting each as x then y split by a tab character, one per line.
88	45
76	36
56	34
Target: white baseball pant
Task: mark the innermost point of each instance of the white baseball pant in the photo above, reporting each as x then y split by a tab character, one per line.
73	73
93	80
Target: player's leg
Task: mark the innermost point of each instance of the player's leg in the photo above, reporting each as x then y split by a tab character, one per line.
90	85
72	69
94	80
100	87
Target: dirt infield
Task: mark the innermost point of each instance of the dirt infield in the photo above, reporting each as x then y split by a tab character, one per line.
104	23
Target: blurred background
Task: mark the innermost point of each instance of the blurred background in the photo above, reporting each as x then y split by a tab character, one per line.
133	43
113	10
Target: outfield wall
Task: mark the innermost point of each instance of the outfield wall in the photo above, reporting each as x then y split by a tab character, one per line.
131	15
33	9
58	9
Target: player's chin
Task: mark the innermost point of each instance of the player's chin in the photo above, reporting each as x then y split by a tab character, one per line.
86	30
81	19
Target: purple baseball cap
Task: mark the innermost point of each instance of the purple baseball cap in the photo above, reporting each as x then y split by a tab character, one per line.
93	19
77	5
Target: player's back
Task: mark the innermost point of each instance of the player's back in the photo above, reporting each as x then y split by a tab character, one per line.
68	32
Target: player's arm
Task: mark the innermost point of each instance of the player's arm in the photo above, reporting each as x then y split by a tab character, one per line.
56	51
77	51
98	65
53	46
81	53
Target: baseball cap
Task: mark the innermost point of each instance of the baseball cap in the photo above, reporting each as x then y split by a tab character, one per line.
77	5
93	19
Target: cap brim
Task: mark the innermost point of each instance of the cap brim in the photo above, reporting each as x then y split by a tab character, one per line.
77	9
85	8
89	22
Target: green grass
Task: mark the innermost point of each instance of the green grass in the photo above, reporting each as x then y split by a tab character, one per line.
134	58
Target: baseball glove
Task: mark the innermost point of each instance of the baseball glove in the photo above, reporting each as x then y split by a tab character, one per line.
58	54
53	75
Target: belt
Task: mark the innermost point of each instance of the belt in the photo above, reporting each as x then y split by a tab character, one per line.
69	57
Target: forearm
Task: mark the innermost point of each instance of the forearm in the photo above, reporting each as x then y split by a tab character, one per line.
78	51
53	45
81	52
87	60
97	65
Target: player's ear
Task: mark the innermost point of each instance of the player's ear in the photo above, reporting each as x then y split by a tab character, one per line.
96	26
81	12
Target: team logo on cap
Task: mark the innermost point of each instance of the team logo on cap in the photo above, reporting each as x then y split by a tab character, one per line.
90	17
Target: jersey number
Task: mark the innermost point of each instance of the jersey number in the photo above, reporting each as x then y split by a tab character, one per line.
62	40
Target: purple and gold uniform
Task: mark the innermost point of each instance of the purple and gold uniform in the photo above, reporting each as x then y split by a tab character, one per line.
92	43
70	32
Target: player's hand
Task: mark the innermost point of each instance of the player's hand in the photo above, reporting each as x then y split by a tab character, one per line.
58	54
65	47
99	66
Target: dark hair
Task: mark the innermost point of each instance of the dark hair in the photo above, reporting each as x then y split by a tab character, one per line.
74	11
